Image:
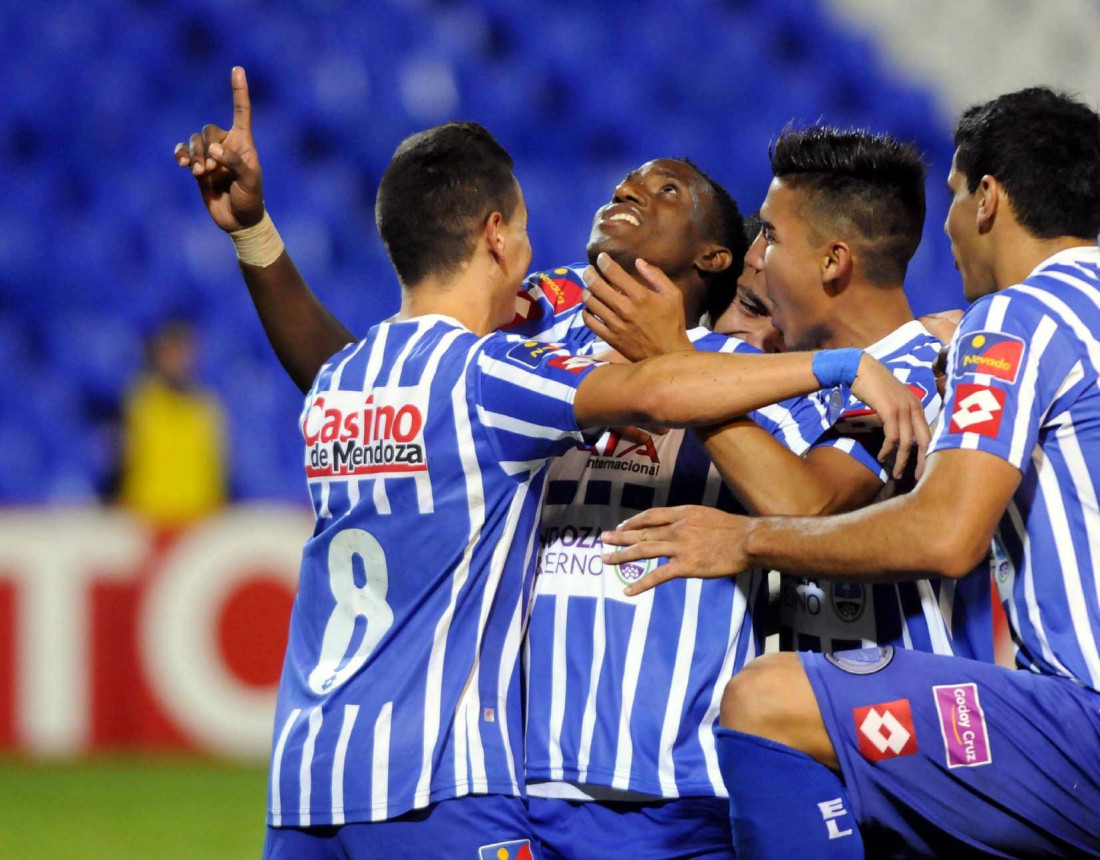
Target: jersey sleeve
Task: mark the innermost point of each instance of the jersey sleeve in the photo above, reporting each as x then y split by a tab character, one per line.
797	422
549	306
858	430
523	391
1009	364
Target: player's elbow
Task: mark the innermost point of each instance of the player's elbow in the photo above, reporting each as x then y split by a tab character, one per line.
956	550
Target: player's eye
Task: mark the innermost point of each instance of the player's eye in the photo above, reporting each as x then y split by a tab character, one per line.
752	307
670	188
769	237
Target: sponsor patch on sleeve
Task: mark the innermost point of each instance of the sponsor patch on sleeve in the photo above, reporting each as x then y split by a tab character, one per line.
885	730
517	849
962	724
530	353
978	409
989	352
861	661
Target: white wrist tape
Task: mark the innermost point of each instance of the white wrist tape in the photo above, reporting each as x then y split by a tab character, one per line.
260	244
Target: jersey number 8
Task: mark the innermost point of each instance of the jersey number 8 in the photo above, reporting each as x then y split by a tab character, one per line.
352	602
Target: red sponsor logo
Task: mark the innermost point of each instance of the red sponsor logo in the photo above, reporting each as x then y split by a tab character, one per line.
350	435
562	293
978	409
885	730
572	363
990	352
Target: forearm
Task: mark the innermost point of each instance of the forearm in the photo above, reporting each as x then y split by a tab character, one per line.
302	331
901	539
766	477
692	388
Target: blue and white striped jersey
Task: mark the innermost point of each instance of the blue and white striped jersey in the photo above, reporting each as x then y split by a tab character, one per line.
425	454
623	693
833	615
1024	385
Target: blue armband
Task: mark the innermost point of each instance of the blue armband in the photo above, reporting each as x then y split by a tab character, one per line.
834	367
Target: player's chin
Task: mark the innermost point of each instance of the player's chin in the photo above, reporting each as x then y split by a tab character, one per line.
622	252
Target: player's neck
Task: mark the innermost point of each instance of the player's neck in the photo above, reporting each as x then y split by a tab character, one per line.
463	297
1016	254
866	315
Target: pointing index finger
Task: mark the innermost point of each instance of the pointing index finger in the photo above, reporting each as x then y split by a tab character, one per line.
242	107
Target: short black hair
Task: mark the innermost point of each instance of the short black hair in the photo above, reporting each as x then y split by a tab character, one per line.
868	182
726	227
719	299
1044	148
440	187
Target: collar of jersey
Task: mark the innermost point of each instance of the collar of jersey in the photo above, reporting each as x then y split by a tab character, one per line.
1083	254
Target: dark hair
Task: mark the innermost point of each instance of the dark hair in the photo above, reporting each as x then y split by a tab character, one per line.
720	299
869	183
435	195
725	226
1044	148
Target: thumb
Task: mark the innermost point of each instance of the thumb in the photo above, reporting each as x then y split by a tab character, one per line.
657	280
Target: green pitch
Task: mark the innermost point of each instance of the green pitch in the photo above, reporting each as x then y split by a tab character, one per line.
122	808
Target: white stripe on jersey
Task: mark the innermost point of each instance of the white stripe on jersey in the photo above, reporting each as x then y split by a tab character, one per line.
1033	615
934	618
471	702
1071	578
515	425
434	682
380	766
557	684
378	495
505	371
305	771
588	722
632	669
338	373
1029	385
685	649
277	769
339	759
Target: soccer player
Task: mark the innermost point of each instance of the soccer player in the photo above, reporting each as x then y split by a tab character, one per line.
940	756
842	218
398	723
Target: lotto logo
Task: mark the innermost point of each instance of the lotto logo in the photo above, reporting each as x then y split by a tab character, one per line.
571	363
517	849
978	409
526	309
990	352
886	730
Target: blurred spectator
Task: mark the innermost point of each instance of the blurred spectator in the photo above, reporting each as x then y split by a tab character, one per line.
173	435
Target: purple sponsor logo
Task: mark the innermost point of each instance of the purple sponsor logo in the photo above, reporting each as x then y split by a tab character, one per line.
631	571
962	724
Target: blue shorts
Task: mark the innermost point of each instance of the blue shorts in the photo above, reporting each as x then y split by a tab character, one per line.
690	827
945	757
478	827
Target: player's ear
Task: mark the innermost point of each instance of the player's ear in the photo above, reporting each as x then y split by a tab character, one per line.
714	259
836	266
494	236
989	193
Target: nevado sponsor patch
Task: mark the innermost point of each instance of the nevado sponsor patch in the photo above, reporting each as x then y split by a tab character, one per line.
991	353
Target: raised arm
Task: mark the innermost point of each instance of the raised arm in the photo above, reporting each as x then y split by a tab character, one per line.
227	170
691	388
